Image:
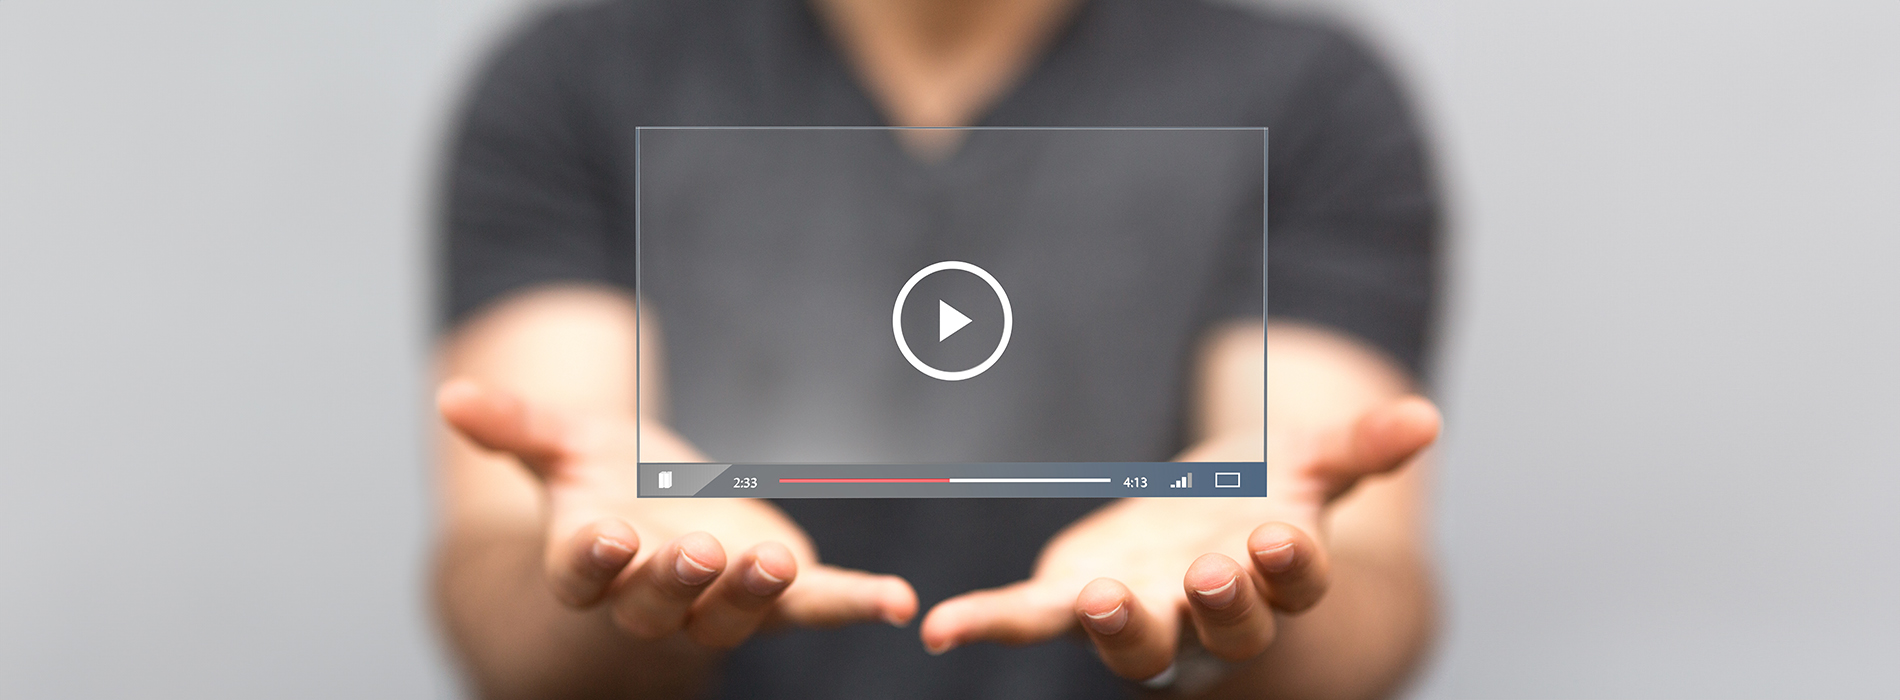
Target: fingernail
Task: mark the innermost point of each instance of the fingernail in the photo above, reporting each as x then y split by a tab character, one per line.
1109	622
939	649
1162	680
1275	559
690	572
893	610
761	582
608	555
1220	596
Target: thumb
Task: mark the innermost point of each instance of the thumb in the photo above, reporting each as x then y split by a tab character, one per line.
504	422
1381	440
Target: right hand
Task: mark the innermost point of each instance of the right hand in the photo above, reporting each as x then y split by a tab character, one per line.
659	567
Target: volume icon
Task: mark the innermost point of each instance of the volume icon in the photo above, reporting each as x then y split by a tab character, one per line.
1185	482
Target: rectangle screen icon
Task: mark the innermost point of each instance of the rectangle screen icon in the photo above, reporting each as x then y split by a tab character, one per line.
1226	480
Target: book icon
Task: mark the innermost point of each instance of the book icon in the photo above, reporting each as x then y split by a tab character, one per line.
666	480
1185	482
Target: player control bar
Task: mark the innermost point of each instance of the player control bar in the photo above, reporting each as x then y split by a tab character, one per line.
984	480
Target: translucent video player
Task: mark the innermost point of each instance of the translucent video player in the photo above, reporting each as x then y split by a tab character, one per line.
995	313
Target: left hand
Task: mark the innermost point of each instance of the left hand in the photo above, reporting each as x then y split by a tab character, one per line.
1130	572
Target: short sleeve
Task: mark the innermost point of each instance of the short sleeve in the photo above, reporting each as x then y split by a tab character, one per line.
528	198
1352	216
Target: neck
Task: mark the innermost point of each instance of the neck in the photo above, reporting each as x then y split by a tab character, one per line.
941	62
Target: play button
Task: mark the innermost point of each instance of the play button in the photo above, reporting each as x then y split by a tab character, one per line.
948	320
991	321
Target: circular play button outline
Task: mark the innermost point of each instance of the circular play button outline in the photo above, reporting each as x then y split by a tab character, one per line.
897	321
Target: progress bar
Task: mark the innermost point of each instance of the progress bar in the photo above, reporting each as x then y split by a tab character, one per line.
961	480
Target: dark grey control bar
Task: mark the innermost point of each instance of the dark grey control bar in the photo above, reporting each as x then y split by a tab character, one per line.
987	480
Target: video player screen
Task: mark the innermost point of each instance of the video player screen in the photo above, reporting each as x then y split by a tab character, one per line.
953	313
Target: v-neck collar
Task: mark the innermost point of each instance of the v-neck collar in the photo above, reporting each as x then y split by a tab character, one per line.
1027	85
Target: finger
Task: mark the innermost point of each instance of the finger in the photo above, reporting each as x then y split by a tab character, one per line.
1379	441
1021	613
827	596
1293	565
738	601
1230	616
502	421
582	566
653	601
1135	643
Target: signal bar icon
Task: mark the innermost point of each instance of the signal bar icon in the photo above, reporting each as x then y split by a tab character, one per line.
1185	482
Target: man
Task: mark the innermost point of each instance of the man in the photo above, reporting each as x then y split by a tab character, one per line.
555	581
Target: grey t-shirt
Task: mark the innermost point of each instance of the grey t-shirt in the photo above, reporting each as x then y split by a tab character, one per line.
541	190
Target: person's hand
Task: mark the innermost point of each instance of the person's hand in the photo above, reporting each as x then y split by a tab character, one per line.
1129	573
658	567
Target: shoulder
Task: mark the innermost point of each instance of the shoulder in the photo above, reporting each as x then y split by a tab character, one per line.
1275	58
592	28
609	30
1250	30
619	59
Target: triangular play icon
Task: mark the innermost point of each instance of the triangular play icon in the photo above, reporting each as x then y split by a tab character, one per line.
949	320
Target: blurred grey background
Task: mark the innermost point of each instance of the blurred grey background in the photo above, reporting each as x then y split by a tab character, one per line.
1668	363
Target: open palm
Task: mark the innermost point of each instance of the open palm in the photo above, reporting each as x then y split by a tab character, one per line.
1128	573
659	567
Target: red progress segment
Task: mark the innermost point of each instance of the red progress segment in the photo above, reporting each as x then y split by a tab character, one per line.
864	481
